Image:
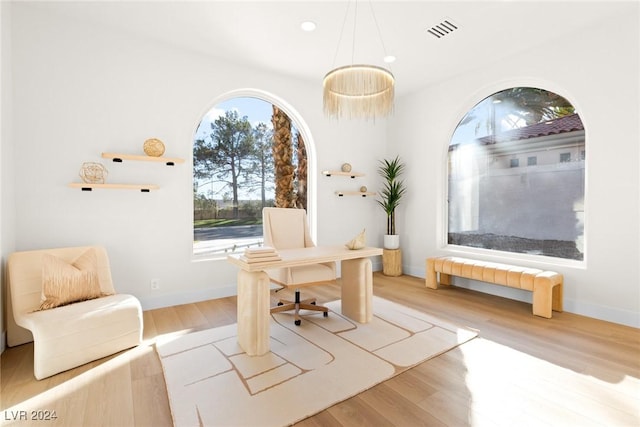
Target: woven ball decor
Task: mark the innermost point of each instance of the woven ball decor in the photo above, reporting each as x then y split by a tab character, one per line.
153	147
93	173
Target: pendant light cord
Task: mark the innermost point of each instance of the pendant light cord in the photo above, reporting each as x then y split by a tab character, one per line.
344	22
353	41
384	49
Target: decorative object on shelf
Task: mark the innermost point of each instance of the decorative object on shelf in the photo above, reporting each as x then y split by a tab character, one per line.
357	242
359	90
346	171
153	147
392	191
93	173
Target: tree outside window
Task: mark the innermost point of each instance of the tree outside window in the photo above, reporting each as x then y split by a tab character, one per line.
247	154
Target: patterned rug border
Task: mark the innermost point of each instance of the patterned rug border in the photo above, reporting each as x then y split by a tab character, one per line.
349	357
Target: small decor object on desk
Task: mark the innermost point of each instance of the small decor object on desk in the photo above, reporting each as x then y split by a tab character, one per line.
357	242
93	173
265	253
153	147
346	167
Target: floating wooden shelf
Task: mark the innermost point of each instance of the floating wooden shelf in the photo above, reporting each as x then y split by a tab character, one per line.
144	188
118	158
355	193
340	173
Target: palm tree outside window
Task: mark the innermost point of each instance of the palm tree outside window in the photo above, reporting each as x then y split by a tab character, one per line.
247	154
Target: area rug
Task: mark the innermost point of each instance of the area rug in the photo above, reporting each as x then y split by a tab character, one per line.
325	360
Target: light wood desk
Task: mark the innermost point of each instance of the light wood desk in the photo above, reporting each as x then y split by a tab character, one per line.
254	284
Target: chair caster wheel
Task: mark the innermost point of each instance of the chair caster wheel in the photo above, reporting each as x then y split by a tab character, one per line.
325	314
297	322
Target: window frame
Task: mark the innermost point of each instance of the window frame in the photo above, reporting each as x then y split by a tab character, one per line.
301	126
462	108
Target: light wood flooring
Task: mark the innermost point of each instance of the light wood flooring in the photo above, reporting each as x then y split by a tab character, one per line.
521	371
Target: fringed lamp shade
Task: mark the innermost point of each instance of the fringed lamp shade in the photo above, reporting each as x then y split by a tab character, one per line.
358	91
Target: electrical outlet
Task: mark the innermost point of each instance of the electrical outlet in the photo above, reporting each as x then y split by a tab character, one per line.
155	284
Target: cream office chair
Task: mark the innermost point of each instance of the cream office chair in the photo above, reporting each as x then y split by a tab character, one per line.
287	228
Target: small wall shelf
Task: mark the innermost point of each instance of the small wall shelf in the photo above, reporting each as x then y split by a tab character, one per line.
340	173
144	188
351	175
118	158
355	193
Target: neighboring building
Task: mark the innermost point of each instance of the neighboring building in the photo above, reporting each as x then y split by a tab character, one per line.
525	183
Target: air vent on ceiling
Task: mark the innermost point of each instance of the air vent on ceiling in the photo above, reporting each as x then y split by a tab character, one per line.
440	30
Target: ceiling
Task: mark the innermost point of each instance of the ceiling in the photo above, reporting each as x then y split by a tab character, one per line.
267	34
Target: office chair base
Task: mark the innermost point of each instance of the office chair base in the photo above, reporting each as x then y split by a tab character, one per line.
297	305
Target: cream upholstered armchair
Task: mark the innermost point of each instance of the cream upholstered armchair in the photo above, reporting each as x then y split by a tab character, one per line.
64	301
287	228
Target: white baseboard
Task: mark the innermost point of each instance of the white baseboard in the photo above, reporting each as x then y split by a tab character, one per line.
415	272
608	314
177	298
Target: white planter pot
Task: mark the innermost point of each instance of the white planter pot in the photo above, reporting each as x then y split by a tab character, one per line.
391	241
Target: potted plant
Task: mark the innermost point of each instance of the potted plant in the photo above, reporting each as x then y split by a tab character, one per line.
392	191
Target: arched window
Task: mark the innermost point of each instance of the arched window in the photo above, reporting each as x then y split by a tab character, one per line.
517	175
247	154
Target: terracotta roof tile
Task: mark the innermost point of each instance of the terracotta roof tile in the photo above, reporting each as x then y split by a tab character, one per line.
564	124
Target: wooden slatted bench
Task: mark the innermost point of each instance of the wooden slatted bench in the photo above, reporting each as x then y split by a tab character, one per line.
545	285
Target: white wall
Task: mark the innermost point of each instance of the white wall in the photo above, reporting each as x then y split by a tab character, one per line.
597	71
7	213
80	89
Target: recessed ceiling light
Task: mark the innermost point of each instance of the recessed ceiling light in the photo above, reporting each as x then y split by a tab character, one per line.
389	59
308	26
